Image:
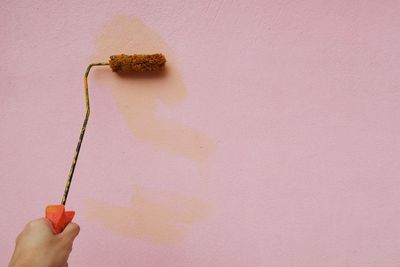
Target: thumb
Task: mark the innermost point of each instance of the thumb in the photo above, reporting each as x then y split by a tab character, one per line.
71	231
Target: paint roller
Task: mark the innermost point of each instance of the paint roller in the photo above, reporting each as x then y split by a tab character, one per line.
153	63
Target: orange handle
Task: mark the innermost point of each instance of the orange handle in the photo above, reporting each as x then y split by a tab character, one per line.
58	217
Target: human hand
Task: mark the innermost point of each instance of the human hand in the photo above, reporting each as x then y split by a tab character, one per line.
36	245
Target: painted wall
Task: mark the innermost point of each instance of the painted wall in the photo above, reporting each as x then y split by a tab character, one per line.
272	139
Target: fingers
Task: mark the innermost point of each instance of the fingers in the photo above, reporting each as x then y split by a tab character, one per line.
70	232
42	225
38	223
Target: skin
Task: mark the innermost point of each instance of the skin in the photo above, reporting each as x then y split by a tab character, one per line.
36	245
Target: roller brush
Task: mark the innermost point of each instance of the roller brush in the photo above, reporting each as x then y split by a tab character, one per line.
57	214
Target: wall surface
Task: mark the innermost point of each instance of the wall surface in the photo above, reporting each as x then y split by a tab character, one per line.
273	138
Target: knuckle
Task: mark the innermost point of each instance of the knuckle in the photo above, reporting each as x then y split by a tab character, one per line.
35	222
30	225
75	228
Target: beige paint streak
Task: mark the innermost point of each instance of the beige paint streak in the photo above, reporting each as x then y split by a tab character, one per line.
158	217
137	96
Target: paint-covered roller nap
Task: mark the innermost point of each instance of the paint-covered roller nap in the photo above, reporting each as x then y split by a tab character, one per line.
118	63
137	63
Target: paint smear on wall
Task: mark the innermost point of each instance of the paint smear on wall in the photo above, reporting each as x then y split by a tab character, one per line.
158	217
138	96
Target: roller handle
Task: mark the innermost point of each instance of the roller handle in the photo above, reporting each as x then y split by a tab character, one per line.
58	217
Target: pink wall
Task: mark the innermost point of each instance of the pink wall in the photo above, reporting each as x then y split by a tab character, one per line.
273	139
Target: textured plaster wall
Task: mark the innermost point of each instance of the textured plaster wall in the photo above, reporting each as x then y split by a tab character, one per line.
273	139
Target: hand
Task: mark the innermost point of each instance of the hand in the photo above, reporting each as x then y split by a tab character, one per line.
36	245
